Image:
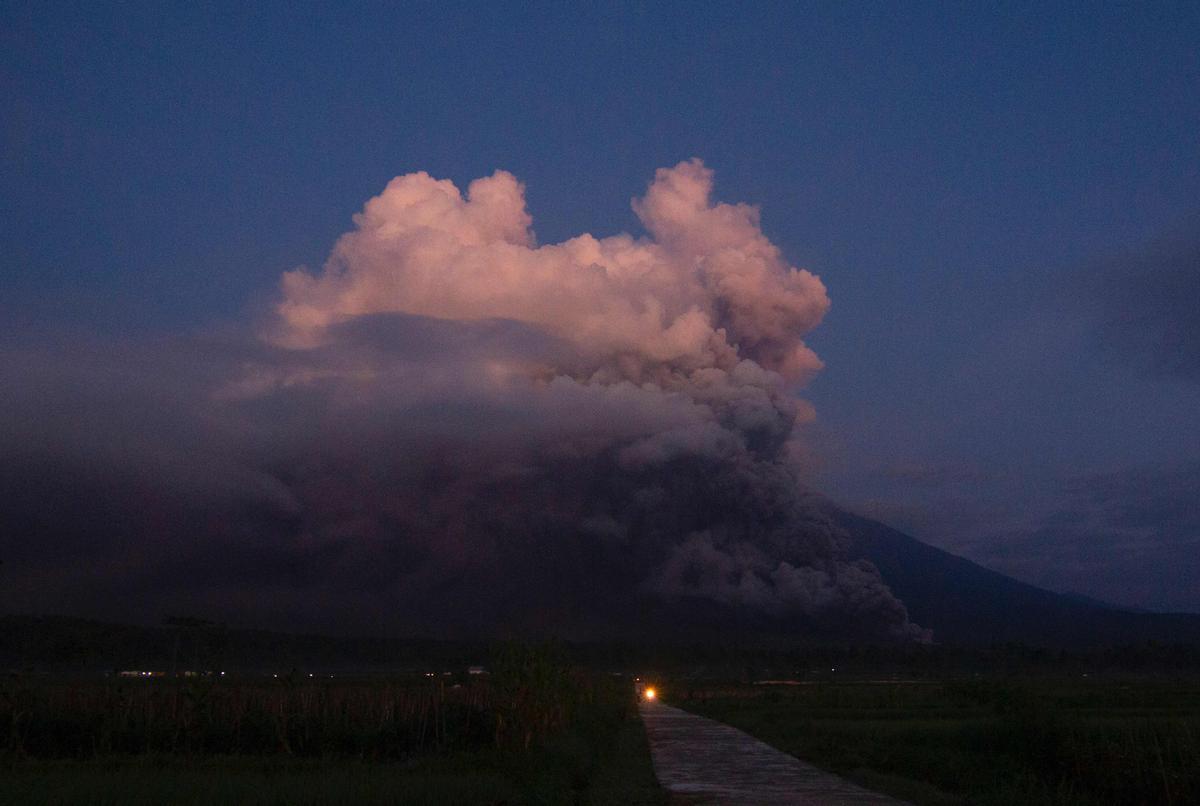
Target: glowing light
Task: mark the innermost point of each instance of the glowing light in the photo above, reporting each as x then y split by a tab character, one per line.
649	694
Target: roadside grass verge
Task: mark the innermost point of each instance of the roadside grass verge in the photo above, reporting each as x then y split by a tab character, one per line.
1058	743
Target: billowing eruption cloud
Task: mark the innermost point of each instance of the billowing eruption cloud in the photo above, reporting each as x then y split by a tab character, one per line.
708	291
453	428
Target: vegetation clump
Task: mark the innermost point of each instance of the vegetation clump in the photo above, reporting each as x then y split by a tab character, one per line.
534	730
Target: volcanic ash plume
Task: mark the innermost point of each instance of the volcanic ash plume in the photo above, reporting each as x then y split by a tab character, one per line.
657	415
452	426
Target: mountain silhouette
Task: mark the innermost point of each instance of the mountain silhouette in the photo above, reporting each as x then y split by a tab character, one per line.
965	603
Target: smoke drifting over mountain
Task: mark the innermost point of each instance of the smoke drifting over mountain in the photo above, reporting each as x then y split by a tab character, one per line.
453	428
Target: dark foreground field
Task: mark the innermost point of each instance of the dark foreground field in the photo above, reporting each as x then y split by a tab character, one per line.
544	727
1069	742
535	731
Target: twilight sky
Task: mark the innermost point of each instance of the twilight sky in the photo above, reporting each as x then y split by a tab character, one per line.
1002	204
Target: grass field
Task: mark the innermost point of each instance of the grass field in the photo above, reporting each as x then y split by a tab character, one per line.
541	730
537	731
1076	742
613	770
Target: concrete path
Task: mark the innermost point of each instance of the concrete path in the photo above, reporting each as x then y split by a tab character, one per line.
699	761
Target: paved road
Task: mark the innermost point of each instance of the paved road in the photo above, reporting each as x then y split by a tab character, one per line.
699	761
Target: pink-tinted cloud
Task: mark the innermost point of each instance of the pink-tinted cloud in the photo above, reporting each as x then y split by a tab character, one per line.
706	290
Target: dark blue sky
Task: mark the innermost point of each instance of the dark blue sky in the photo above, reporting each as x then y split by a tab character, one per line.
1003	202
